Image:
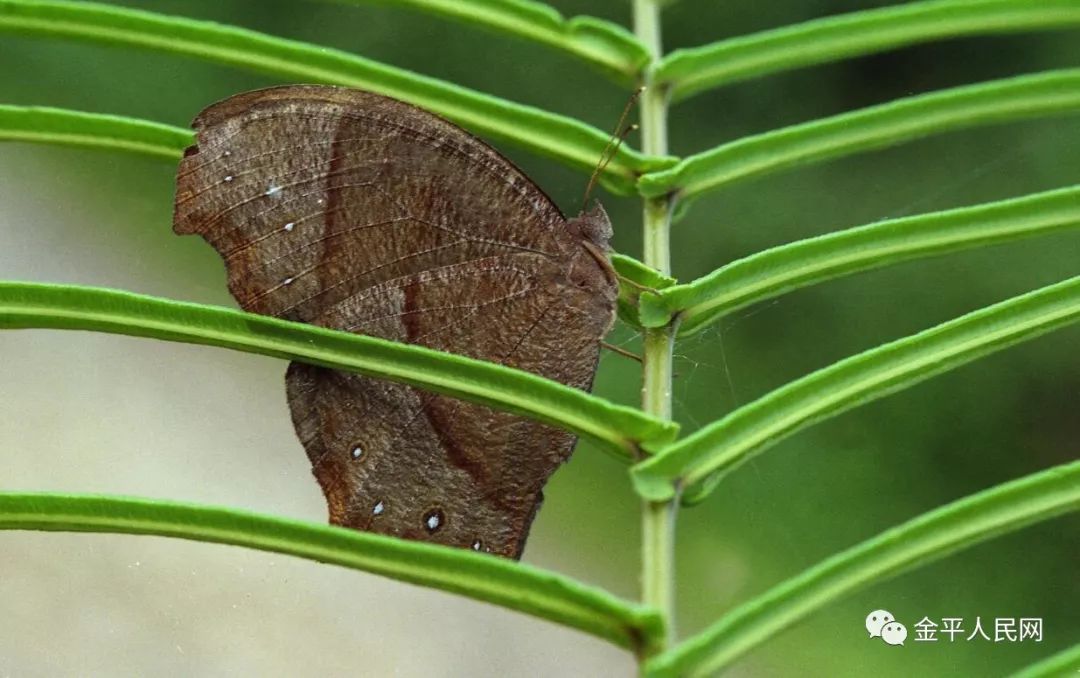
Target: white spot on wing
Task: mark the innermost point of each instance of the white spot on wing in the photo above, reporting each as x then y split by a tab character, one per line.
273	190
357	452
290	226
228	178
379	508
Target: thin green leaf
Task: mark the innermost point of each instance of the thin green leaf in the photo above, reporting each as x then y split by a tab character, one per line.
699	461
773	272
997	101
479	576
602	44
1064	663
565	139
690	71
616	428
639	275
932	536
74	128
634	279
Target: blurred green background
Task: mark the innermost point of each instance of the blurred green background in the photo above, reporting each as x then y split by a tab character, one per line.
96	413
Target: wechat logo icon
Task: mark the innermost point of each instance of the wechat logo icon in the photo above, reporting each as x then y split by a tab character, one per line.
882	624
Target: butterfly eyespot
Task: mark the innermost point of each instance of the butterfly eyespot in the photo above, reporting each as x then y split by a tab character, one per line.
434	519
378	508
357	451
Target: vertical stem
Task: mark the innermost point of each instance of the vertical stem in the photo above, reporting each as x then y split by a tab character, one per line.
658	518
657	221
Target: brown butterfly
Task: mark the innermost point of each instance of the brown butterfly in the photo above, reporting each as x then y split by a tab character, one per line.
354	211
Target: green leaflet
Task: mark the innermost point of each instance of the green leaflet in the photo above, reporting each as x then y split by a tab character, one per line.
636	280
565	139
806	262
638	274
479	576
932	536
997	101
690	71
615	428
601	44
699	461
74	128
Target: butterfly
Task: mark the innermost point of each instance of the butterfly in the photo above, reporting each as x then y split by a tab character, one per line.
354	211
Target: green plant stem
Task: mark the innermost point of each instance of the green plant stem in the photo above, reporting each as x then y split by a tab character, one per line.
657	245
658	518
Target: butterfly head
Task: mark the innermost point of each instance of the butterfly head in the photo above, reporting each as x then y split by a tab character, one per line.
593	226
590	268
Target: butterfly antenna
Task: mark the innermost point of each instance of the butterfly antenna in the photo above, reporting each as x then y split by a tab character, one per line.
613	144
606	160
